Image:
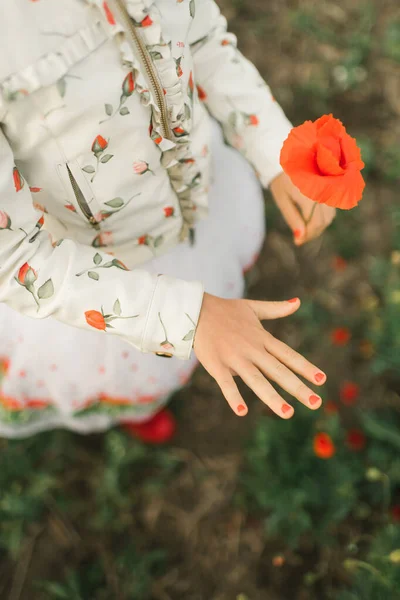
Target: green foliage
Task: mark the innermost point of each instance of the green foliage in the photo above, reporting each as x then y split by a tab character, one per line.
377	575
391	40
300	492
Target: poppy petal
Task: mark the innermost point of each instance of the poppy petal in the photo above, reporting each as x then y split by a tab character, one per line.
327	163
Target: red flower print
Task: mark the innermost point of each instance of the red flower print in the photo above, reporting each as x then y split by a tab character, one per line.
40	223
109	15
114	400
252	120
128	85
99	144
143	240
70	207
349	393
35	190
167	345
168	211
179	131
39	207
146	22
356	440
141	167
95	319
38	404
146	399
11	403
5	221
18	180
324	446
225	43
340	336
190	83
103	239
201	93
26	275
4	366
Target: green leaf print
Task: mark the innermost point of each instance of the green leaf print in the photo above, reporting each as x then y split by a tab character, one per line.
192	8
115	203
93	275
158	240
61	87
108	109
117	308
46	290
97	258
124	111
188	336
106	158
89	169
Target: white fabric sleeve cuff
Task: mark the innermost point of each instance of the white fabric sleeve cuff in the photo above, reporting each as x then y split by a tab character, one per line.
172	317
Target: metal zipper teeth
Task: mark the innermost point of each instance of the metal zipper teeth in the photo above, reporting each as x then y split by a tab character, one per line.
80	198
150	70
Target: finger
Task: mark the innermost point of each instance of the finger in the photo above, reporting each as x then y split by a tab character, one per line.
274	310
231	392
292	216
293	359
264	390
284	377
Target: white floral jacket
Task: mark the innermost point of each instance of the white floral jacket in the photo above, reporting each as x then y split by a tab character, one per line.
104	156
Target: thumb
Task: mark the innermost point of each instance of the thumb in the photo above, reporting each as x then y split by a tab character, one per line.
293	218
274	310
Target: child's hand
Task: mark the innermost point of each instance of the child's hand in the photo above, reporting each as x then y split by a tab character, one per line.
289	200
230	340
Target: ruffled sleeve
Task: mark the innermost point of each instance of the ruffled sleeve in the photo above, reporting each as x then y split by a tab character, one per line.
235	93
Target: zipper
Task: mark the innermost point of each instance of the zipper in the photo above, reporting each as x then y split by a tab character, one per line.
80	198
146	60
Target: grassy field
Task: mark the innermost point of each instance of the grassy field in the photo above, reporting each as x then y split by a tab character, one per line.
243	509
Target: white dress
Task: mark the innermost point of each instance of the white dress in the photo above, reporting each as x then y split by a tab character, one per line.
86	381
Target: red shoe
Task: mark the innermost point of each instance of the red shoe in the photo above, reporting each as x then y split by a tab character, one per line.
158	430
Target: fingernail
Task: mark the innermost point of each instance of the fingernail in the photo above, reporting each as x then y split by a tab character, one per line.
293	300
297	233
286	408
314	399
319	377
241	408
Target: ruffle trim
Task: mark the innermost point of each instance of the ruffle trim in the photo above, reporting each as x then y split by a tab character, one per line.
52	66
176	157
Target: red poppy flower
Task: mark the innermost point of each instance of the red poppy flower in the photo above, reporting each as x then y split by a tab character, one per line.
11	403
95	319
18	180
395	513
114	400
340	336
330	408
324	446
349	393
191	84
34	190
339	263
356	440
26	275
109	15
201	93
99	144
168	211
324	162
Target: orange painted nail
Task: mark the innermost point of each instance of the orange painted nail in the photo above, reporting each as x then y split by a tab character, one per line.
314	399
286	408
241	408
319	377
297	233
293	300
